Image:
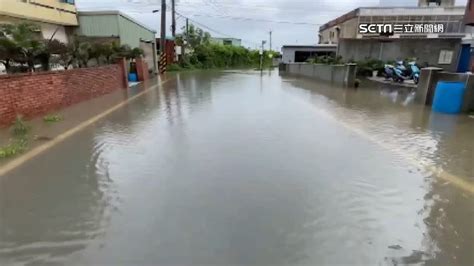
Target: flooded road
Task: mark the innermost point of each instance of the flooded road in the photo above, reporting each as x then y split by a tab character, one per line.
239	168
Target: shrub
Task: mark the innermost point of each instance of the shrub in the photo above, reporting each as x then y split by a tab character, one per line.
52	118
19	127
16	147
366	67
174	67
326	59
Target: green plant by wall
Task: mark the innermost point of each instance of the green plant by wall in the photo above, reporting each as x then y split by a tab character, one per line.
366	67
17	146
174	67
20	128
326	59
52	118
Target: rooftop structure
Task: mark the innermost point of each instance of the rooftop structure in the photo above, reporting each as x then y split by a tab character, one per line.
449	19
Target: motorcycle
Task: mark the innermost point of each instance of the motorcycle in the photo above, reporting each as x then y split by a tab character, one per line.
396	73
414	71
400	72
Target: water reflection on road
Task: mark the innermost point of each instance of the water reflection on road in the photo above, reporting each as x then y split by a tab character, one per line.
239	168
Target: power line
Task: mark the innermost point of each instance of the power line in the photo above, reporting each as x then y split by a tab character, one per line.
256	19
270	8
213	30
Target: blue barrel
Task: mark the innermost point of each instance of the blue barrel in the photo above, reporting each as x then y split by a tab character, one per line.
132	77
449	97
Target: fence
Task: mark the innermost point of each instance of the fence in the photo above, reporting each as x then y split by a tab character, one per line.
33	94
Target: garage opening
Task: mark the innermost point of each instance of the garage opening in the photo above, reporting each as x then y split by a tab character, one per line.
303	56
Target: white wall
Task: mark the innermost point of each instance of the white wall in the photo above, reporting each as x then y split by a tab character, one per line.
149	54
47	30
288	55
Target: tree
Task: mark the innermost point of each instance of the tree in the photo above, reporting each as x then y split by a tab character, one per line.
197	36
81	54
108	51
96	51
52	48
23	41
135	53
61	53
8	52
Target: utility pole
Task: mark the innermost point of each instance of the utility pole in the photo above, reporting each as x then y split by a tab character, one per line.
162	60
173	19
163	27
270	40
185	41
187	29
261	55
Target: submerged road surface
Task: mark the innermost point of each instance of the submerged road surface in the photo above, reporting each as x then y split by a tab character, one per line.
239	168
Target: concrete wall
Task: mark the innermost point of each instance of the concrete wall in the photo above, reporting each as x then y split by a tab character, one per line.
110	24
55	31
131	33
347	29
98	25
429	79
426	50
55	12
337	74
35	94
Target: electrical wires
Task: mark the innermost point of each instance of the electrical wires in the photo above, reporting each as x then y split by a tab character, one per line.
214	30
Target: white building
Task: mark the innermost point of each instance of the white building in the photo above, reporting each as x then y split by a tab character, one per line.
301	53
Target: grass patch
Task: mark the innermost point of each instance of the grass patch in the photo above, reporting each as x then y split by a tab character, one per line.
52	118
19	143
174	67
17	146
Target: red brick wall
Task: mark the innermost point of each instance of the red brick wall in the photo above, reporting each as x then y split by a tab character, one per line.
142	69
36	94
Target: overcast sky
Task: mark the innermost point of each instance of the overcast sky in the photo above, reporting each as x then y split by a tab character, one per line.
249	20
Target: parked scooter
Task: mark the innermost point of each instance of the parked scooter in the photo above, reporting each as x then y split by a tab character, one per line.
395	72
414	71
400	72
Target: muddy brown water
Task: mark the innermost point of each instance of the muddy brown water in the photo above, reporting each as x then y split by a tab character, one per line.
244	168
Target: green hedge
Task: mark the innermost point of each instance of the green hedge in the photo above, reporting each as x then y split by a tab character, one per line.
207	56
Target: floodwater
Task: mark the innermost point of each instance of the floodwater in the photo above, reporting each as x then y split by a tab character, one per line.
244	168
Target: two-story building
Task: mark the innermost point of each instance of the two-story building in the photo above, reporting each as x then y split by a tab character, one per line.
227	41
438	44
55	18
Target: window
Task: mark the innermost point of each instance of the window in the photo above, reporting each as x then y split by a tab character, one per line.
445	57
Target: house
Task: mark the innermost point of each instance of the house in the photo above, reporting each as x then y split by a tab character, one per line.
469	20
399	33
108	26
55	18
227	41
301	53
